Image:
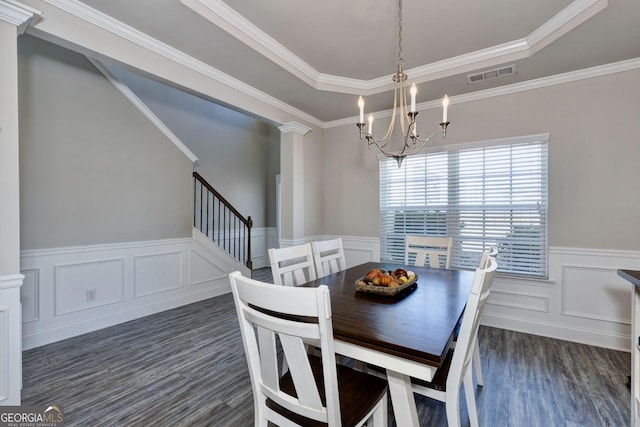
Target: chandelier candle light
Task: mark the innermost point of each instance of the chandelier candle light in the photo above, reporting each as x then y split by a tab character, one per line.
412	143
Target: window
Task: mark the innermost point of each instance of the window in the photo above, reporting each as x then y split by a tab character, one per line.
483	194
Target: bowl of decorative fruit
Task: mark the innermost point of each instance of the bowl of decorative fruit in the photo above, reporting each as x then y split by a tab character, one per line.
382	282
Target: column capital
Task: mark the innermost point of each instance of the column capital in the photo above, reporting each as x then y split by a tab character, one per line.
295	127
18	14
11	281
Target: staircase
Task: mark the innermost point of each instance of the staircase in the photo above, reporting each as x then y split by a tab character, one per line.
216	218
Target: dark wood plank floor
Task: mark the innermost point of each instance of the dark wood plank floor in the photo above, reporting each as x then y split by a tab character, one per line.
186	367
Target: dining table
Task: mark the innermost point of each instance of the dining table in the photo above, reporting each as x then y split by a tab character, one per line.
407	334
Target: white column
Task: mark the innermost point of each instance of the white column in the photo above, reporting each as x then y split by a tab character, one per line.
14	18
292	182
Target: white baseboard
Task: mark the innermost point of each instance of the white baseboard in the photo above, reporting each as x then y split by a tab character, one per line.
558	331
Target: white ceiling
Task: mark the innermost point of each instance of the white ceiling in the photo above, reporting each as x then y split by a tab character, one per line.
319	56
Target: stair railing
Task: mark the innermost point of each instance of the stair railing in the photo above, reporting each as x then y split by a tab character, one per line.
215	217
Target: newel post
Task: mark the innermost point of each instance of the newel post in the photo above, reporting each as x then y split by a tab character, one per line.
249	263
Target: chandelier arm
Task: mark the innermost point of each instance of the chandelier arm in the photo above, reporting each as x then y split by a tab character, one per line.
393	115
379	142
424	141
403	107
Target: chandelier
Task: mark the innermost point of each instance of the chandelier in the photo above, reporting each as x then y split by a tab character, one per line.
412	143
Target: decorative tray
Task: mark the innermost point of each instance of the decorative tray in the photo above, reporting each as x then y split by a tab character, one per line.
368	284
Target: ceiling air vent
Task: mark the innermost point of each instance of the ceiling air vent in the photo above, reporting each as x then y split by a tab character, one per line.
492	74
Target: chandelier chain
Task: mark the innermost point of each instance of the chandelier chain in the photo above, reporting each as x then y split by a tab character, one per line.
400	53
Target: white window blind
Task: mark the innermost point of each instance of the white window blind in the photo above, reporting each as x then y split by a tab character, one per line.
482	195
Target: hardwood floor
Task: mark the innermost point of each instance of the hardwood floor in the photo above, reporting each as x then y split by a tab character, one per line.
186	367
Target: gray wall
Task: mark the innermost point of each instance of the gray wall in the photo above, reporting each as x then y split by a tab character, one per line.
237	154
594	201
93	169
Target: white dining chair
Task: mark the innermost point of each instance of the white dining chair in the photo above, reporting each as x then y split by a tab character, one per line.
477	366
315	389
328	256
419	249
293	265
456	370
491	252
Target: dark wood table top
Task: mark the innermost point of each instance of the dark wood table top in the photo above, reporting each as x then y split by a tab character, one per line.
416	325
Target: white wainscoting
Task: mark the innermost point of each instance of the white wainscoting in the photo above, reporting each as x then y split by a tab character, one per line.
261	240
583	301
71	291
10	340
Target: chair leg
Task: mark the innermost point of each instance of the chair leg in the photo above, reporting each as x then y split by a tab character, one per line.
452	404
260	417
471	398
476	363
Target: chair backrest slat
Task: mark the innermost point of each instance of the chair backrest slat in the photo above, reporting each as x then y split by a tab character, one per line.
328	256
427	247
293	265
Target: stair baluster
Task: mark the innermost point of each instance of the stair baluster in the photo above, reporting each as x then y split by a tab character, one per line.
215	217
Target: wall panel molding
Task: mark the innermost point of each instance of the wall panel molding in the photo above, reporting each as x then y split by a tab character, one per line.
519	300
30	293
599	300
72	282
130	280
158	272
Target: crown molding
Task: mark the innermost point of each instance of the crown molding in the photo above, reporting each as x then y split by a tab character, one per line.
221	15
107	23
137	102
18	14
568	19
295	127
577	9
572	76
